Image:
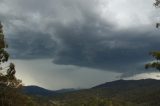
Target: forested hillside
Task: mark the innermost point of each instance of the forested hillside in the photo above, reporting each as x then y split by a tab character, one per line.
117	93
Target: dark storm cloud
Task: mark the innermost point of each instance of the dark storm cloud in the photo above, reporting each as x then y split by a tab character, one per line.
73	32
31	45
31	26
104	49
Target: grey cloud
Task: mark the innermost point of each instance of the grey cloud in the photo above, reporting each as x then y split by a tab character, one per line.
32	45
39	22
116	51
74	33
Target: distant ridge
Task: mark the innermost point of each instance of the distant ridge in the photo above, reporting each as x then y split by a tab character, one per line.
36	90
143	92
129	83
39	91
118	85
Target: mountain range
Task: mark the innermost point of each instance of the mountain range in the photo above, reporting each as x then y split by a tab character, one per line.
145	92
118	84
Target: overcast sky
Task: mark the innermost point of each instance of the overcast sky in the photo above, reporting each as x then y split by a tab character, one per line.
79	43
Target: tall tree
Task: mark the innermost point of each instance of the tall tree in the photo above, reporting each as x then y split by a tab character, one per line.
155	54
155	63
10	94
7	73
157	5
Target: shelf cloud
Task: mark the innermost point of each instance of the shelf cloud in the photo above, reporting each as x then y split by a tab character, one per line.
110	35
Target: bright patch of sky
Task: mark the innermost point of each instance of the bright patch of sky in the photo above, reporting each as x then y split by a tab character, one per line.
44	73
